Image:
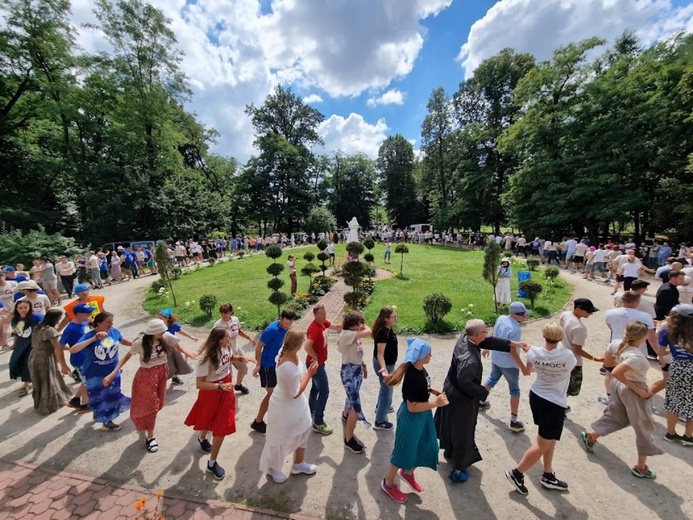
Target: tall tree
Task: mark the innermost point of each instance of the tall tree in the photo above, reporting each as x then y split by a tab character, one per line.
396	179
352	179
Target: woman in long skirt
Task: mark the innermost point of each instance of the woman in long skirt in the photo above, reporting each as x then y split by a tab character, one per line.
47	366
416	444
100	347
505	273
23	324
149	385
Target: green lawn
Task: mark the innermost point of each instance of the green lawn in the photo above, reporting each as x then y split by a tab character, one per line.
455	273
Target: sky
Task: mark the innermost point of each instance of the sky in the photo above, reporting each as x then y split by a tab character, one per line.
369	66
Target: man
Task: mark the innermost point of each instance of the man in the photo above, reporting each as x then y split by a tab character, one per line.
570	246
316	347
266	351
456	423
521	246
83	296
94	266
49	280
662	273
580	253
66	270
7	290
330	253
638	287
78	327
617	319
12	276
664	253
508	365
668	294
575	337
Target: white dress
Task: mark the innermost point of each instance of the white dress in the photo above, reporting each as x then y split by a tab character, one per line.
288	419
503	295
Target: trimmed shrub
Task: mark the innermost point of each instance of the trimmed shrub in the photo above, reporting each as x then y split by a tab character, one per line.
355	299
208	303
309	256
354	248
436	306
532	288
532	263
369	243
275	269
552	272
275	284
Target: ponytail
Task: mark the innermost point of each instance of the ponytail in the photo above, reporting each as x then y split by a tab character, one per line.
396	377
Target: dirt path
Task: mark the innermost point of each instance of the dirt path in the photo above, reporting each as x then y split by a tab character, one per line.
347	485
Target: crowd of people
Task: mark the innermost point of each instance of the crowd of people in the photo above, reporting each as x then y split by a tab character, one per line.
82	341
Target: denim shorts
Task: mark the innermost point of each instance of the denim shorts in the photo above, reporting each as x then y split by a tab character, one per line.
512	376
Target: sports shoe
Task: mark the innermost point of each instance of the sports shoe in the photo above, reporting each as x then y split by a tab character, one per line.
517	480
649	474
568	409
393	492
589	446
410	480
603	400
687	441
303	467
603	371
175	380
217	470
353	445
242	389
517	426
260	427
549	481
323	429
75	375
74	403
383	426
205	445
672	437
484	405
278	476
458	476
111	426
84	408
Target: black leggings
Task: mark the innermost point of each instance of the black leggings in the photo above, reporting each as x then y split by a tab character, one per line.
68	283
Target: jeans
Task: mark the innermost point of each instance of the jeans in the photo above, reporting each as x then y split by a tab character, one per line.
384	395
319	392
512	376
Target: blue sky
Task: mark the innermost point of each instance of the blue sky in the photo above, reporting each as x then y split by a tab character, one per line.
369	66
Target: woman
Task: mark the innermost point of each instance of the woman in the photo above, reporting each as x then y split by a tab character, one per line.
47	366
116	272
547	399
416	444
353	372
291	265
505	273
630	270
149	385
288	417
678	401
177	364
100	347
384	359
215	407
629	403
23	324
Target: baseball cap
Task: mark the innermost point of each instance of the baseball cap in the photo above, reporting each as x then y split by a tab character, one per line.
585	304
82	308
8	269
518	308
81	287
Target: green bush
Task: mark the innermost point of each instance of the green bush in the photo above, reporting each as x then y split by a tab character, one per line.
369	243
18	247
355	299
309	256
323	256
532	288
278	298
323	283
368	257
275	284
322	245
176	272
367	286
208	303
158	284
507	254
552	272
273	252
275	269
354	248
436	306
532	263
402	250
354	269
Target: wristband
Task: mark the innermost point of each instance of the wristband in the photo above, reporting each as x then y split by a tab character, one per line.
219	387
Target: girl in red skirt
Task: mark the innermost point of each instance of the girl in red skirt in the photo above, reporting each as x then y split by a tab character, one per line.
149	385
215	408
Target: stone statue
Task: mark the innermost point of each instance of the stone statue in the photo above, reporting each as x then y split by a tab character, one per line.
353	230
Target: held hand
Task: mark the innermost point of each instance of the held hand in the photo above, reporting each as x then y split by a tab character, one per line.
441	400
485	353
64	369
192	355
525	346
100	335
598	359
525	370
249	360
383	372
108	380
643	393
227	387
256	371
313	368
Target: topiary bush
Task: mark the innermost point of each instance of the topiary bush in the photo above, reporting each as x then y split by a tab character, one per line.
355	299
508	254
309	256
354	248
277	297
309	270
436	306
176	272
532	288
552	272
208	303
532	264
401	249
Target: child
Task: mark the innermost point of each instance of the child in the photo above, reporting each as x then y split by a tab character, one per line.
149	385
72	333
629	403
233	327
23	323
288	416
547	399
177	365
416	444
353	372
215	408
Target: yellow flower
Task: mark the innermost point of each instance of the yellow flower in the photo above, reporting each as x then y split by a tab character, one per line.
159	494
138	506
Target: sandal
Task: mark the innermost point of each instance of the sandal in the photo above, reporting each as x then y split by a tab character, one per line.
647	473
152	445
589	446
23	392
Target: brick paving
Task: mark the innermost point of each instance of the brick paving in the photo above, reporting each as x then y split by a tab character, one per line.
28	492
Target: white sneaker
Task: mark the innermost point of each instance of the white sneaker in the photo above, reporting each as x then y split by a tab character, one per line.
277	476
303	467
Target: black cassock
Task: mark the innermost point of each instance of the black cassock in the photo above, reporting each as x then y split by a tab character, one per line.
456	423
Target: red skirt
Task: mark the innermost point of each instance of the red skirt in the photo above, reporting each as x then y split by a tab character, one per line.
214	411
148	396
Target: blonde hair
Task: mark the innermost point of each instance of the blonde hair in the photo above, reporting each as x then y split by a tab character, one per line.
552	332
397	375
635	332
292	341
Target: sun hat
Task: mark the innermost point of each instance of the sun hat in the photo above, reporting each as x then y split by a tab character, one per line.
155	327
82	308
416	349
29	285
684	309
505	261
81	287
167	313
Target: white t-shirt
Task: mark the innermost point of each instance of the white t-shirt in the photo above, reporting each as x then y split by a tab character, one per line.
350	348
65	269
634	358
553	373
631	269
158	356
599	256
39	305
232	326
205	370
7	294
620	260
93	262
290	267
618	319
575	333
581	249
645	305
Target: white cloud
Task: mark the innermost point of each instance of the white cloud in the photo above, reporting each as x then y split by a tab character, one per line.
313	98
540	26
391	97
352	135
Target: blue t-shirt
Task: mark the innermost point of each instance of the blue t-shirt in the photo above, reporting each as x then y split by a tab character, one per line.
71	336
101	357
273	338
174	328
505	328
678	353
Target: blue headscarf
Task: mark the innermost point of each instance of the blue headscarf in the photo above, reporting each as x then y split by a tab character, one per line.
168	312
416	349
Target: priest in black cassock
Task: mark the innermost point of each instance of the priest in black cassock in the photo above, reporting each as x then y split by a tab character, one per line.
456	423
